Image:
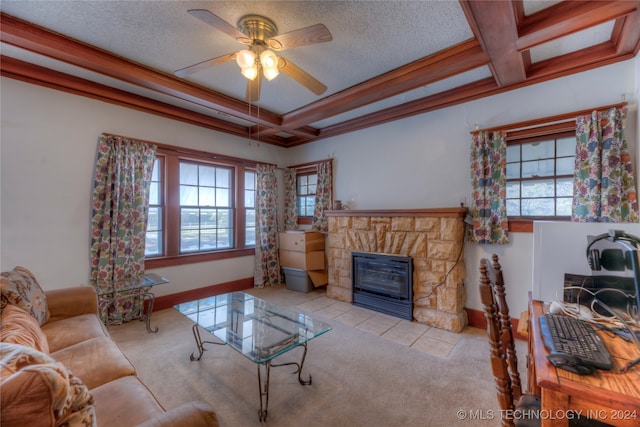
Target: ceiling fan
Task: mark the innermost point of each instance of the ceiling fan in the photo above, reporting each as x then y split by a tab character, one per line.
261	36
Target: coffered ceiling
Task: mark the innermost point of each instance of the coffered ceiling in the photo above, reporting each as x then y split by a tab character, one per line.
387	60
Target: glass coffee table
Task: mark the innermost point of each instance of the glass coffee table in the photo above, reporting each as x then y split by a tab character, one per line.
258	330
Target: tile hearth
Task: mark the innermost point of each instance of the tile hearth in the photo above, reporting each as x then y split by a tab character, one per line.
435	341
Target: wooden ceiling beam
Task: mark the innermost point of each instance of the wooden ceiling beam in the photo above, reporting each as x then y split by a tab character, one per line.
569	17
39	40
458	59
627	40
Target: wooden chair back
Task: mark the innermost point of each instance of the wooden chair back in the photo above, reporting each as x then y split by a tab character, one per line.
504	362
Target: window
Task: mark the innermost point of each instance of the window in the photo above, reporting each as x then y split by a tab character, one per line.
250	208
306	183
206	218
201	207
153	240
540	176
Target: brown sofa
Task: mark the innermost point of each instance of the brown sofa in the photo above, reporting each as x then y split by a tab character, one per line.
66	370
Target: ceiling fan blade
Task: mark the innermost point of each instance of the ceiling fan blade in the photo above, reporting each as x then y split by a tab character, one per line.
219	24
308	35
301	76
186	71
253	88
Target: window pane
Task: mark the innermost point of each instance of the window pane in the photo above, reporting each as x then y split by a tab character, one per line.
563	206
207	239
153	243
250	236
250	180
513	190
312	189
207	218
154	220
154	193
564	187
189	218
565	166
249	199
223	239
566	147
313	179
513	170
224	218
538	207
537	168
155	174
513	207
250	218
538	150
542	188
223	178
207	176
222	197
207	196
188	196
188	174
513	153
189	240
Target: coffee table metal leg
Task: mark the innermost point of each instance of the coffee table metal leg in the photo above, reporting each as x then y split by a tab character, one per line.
148	296
200	344
264	388
264	391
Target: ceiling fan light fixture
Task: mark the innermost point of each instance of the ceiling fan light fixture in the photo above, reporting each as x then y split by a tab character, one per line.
250	72
269	62
245	58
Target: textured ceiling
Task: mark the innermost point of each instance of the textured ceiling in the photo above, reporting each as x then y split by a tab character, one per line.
370	38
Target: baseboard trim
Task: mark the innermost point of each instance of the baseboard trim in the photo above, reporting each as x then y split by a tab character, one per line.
477	319
168	301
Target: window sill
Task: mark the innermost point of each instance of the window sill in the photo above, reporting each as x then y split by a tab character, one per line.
152	263
525	225
520	225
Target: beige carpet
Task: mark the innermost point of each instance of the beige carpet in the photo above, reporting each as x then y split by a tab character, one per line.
359	378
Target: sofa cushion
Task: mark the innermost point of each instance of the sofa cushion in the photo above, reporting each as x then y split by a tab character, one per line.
19	327
125	402
72	330
20	287
37	390
95	361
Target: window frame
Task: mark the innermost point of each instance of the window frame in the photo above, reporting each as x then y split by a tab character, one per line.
170	188
307	170
522	141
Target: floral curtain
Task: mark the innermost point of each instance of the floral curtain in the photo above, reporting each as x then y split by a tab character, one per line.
118	223
488	181
604	187
267	264
290	202
324	195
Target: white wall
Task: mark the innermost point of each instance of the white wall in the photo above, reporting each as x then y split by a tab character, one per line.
48	151
49	140
423	161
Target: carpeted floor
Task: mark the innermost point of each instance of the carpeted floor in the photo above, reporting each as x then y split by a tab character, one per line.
359	378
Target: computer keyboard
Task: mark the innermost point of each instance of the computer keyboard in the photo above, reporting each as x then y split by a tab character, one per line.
575	337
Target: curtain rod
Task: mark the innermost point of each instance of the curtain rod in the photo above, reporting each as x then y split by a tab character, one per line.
301	165
547	120
184	150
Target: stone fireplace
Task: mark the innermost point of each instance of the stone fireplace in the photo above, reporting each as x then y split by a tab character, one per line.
433	238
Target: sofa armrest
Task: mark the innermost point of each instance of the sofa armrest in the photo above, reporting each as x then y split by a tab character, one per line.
69	302
192	414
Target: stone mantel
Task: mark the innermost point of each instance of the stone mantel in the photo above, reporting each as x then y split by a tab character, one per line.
434	238
417	213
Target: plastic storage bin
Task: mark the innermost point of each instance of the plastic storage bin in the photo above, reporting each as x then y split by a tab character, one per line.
297	280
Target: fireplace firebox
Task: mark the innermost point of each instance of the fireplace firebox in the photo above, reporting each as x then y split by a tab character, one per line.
383	283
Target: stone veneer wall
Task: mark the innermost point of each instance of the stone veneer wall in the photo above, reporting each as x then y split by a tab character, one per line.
434	238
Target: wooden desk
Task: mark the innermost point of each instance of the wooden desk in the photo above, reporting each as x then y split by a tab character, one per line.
605	395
